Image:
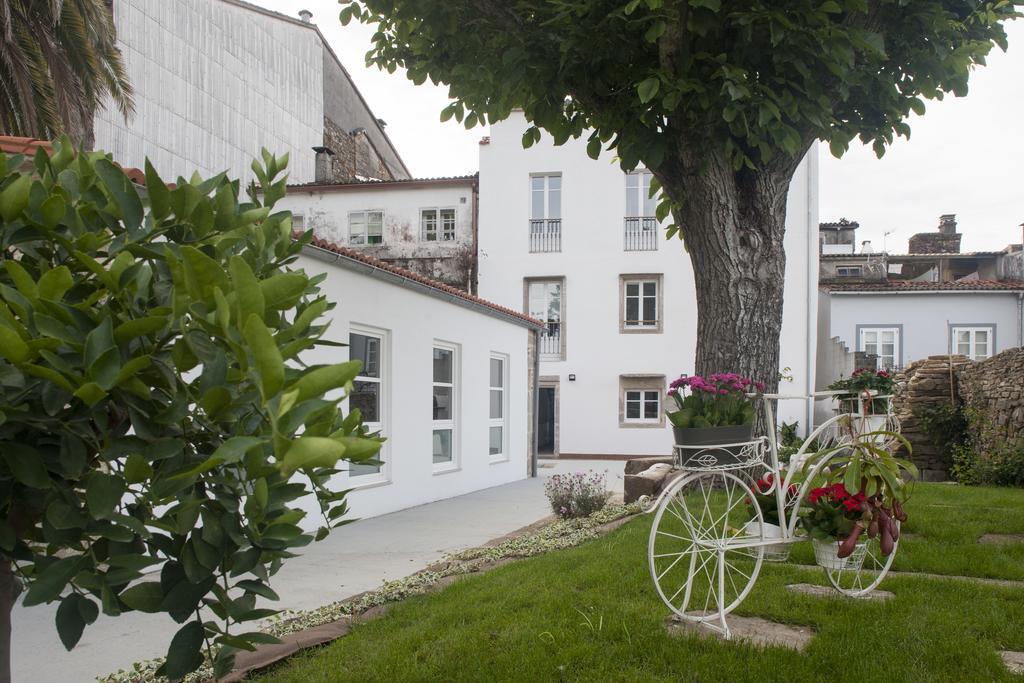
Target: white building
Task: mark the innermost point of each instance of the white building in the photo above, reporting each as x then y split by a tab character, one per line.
445	378
573	241
217	80
425	225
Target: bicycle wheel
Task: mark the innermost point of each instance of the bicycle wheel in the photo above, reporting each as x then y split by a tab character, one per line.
869	566
706	546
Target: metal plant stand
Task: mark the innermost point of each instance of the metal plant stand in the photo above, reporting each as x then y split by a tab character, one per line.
708	540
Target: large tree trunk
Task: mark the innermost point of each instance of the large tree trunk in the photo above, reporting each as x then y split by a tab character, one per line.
733	224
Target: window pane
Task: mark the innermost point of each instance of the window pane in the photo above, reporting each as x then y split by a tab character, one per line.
554	294
650	289
443	365
497	372
448	224
632	289
650	309
964	348
366	349
496	407
888	337
632	395
632	194
981	336
366	397
442	445
537	201
359	469
496	440
650	204
651	409
554	182
633	410
442	403
632	310
963	337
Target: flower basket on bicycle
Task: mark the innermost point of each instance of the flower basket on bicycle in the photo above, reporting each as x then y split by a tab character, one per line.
714	418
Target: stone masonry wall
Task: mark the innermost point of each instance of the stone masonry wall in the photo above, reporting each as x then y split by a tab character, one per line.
924	384
994	390
935	243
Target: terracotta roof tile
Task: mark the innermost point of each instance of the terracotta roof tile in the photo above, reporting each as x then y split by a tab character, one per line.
359	256
10	144
353	184
917	286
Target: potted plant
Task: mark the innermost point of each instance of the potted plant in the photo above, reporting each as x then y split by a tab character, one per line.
763	491
863	387
837	520
712	411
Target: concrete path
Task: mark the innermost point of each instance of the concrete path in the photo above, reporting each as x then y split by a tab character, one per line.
353	559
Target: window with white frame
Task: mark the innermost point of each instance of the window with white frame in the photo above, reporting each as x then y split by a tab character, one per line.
849	271
366	227
640	304
639	203
437	224
546	197
368	389
498	414
643	405
640	400
298	222
544	303
975	342
445	401
883	342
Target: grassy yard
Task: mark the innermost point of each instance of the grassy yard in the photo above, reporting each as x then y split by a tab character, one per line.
591	613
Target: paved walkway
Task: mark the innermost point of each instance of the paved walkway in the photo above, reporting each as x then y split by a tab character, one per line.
353	559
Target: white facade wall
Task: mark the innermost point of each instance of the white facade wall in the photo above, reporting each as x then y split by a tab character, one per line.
925	319
214	83
411	322
591	261
326	212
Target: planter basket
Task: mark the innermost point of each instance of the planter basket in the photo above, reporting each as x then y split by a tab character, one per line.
713	454
825	554
777	552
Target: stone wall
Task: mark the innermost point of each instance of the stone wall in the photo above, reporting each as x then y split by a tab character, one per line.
925	384
354	155
993	390
935	243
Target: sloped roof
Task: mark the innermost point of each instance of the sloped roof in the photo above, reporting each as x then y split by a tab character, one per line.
439	181
917	286
11	144
404	273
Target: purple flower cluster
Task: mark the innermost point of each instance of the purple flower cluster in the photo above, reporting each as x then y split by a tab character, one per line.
722	384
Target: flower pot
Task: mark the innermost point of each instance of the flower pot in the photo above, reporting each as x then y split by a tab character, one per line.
694	437
826	555
777	552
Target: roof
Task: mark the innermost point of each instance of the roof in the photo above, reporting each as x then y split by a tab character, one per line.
916	257
379	184
12	144
895	286
841	224
356	256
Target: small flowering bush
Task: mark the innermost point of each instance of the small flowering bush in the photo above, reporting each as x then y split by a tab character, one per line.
577	494
831	512
764	493
879	382
718	400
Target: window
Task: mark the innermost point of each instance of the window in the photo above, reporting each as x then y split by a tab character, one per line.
368	389
849	271
640	303
436	223
544	302
546	213
639	203
366	227
298	222
883	342
974	342
640	400
445	400
498	414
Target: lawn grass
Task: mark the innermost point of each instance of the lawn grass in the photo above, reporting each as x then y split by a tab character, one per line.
591	613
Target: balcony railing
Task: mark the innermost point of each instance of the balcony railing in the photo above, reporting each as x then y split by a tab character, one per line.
545	234
640	233
550	342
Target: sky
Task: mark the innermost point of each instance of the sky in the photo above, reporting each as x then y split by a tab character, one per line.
965	155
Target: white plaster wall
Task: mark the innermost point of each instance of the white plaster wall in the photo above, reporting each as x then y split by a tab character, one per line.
926	318
214	83
327	214
413	322
591	260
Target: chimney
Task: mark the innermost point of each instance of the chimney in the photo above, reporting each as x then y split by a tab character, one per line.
866	248
322	170
305	15
947	223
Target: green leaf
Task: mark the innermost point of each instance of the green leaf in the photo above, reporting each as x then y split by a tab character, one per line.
90	393
122	191
99	341
26	464
143	597
157	192
12	347
139	327
312	451
102	493
315	383
74	613
269	363
14	198
648	88
830	7
54	283
183	656
247	289
283	289
51	581
257	587
22	280
594	148
137	469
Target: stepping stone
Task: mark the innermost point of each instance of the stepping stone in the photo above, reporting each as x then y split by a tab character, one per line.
1001	539
829	592
753	630
1014	661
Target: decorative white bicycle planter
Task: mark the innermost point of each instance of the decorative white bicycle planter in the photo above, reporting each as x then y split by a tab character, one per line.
709	539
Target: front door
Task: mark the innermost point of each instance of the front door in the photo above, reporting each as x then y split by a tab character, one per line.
546	421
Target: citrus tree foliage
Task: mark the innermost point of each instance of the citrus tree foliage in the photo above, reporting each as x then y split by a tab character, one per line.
750	79
154	412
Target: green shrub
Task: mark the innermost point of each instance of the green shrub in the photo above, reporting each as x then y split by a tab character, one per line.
946	426
1000	466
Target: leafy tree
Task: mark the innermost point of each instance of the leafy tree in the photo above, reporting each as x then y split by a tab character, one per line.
720	99
58	60
153	407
